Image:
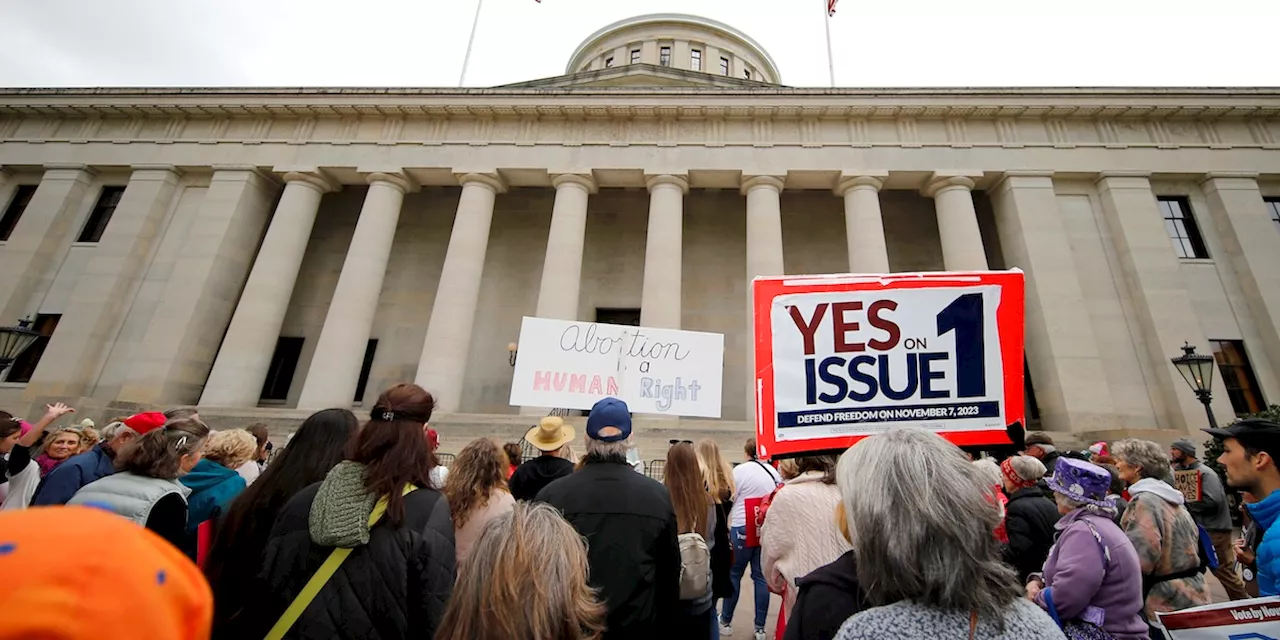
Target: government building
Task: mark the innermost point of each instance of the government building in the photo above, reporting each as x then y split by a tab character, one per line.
263	253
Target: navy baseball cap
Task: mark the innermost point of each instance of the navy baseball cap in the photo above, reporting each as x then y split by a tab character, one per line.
609	421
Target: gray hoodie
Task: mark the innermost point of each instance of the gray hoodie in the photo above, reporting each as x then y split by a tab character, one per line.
1212	510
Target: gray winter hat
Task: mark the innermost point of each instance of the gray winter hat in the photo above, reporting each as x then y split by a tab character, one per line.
1185	445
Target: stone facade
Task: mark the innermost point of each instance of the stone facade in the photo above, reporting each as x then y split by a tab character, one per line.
432	220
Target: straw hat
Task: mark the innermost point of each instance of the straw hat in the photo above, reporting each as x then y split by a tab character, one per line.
550	434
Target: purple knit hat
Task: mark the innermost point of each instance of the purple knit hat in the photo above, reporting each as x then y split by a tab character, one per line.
1081	481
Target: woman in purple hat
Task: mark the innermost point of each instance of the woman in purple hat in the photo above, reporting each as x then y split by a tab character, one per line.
1093	578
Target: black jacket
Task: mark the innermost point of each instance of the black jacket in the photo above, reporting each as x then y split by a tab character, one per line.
827	597
722	553
630	527
1029	519
537	473
394	587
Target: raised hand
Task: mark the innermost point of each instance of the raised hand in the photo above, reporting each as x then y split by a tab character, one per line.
57	410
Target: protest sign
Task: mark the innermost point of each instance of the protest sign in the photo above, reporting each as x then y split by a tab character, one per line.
571	365
1188	483
841	357
1255	619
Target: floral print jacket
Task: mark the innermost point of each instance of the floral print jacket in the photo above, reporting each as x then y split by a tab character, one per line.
1167	541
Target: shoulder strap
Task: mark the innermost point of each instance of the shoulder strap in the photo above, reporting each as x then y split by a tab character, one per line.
321	577
1106	551
767	469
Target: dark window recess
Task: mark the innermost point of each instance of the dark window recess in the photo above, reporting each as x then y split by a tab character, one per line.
664	56
1181	227
1237	376
101	214
12	213
283	364
746	74
629	317
608	62
695	59
635	56
365	368
1273	209
1029	391
25	365
724	66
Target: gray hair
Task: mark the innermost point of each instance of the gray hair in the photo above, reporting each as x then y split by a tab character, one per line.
1029	468
989	470
1063	501
601	451
1151	459
114	429
923	522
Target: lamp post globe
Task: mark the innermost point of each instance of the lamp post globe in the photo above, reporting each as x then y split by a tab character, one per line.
1197	370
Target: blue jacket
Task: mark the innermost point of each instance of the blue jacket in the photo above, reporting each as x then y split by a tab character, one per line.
1264	512
67	478
213	487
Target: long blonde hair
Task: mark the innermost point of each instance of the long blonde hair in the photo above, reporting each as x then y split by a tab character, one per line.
526	577
715	471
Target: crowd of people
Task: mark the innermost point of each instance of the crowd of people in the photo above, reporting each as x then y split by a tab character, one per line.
356	531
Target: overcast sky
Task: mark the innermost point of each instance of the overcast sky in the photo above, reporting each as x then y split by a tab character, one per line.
421	42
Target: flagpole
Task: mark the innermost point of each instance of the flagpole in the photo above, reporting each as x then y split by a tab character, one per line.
466	60
831	61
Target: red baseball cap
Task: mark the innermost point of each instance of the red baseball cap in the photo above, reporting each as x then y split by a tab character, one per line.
145	422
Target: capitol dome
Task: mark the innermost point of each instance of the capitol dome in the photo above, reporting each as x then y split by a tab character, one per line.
667	49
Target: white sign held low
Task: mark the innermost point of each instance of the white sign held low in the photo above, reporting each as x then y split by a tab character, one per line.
571	365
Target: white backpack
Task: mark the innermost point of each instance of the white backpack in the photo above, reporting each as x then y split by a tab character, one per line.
695	566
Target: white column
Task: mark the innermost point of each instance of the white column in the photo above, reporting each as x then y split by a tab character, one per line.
242	362
1165	312
864	227
1062	349
962	248
335	367
443	364
764	256
562	267
1252	246
663	252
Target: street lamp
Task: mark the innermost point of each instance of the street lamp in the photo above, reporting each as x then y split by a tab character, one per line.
1197	370
13	341
512	348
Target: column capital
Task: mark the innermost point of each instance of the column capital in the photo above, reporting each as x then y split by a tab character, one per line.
1229	180
568	179
1124	180
850	181
940	181
751	183
317	180
165	170
396	180
490	180
653	182
1024	179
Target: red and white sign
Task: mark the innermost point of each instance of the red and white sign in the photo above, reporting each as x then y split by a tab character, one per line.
1256	619
841	357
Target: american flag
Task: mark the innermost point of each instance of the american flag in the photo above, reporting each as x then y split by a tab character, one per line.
831	7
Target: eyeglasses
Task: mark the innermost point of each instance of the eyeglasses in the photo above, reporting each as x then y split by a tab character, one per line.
673	442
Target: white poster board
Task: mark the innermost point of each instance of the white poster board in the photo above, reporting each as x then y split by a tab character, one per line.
1255	619
571	365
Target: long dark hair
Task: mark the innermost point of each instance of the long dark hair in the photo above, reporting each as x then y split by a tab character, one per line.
824	464
689	494
158	453
236	554
393	446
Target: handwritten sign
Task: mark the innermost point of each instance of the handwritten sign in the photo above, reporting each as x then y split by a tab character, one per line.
571	365
1188	483
1255	619
841	357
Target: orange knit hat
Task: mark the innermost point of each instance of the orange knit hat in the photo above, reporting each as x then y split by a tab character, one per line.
131	584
